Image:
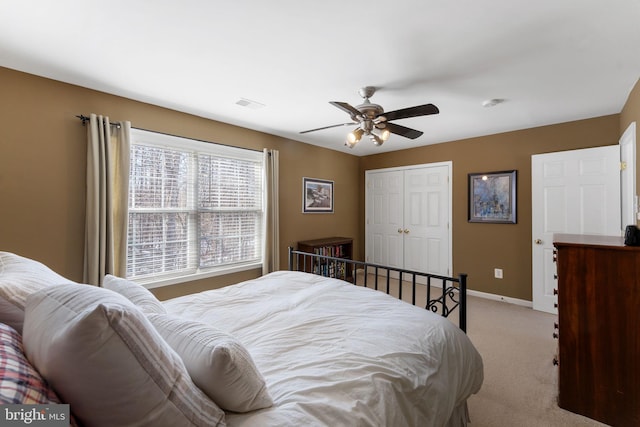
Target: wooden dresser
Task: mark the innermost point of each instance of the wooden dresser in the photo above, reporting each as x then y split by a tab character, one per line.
599	328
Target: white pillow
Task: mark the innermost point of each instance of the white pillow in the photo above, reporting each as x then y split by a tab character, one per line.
19	277
103	357
217	362
137	294
11	314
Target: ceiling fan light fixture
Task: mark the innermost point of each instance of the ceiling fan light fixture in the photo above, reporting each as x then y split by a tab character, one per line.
374	122
354	137
377	140
350	144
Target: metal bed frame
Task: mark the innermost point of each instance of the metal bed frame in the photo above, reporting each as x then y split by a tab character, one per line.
454	289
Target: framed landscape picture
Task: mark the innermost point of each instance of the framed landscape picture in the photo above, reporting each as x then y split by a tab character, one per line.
492	197
317	195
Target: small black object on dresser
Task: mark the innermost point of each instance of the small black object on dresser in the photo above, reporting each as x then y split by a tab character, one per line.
632	236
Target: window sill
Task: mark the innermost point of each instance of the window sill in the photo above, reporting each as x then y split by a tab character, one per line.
174	280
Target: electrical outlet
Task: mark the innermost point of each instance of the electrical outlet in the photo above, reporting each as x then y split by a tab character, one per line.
497	272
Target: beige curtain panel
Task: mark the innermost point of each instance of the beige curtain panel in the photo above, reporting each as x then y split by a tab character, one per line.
271	252
107	199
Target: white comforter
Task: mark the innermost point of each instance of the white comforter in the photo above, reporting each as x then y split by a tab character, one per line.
334	354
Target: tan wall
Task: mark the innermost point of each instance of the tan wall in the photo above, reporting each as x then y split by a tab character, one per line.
479	248
42	171
42	176
631	113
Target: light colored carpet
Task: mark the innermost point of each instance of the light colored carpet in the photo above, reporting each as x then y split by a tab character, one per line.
517	348
520	385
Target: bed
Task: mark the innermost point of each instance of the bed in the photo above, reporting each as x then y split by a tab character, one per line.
323	351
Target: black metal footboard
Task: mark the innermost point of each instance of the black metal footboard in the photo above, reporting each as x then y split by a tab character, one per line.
451	291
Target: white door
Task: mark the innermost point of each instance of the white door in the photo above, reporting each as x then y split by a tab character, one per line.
576	192
384	235
408	211
628	176
426	242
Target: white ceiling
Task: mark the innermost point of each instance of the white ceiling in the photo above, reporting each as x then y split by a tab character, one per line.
551	60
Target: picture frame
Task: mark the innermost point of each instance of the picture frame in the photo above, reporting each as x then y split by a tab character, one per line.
492	197
317	195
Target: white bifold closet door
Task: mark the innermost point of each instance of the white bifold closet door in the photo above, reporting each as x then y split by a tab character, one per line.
408	217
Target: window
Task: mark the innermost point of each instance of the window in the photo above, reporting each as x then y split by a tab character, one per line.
195	208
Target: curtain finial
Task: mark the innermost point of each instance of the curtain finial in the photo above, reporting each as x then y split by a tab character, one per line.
84	119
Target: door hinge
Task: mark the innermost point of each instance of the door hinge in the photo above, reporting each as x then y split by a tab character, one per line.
623	166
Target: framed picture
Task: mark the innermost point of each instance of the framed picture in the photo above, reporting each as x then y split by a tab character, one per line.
492	197
317	195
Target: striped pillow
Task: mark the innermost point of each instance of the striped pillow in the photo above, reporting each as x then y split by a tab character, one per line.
104	358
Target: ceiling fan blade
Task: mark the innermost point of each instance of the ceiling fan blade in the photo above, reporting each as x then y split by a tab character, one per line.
329	127
352	111
420	110
403	131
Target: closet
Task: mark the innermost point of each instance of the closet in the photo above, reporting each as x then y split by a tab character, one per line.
408	217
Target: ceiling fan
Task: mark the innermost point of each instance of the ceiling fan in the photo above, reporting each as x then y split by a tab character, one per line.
374	122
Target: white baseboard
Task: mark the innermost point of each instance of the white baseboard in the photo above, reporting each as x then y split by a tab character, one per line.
496	297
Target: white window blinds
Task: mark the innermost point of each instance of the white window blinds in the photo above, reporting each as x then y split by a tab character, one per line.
194	207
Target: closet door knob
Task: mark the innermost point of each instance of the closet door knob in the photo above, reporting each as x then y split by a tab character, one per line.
399	230
406	231
538	241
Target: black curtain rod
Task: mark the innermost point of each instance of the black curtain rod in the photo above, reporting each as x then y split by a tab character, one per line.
85	119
